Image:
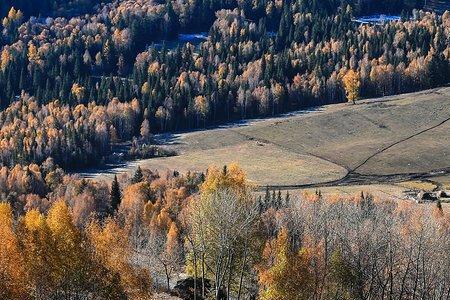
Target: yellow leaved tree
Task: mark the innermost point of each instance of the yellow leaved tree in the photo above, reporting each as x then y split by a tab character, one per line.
12	272
352	85
69	253
229	177
221	231
284	273
38	251
112	249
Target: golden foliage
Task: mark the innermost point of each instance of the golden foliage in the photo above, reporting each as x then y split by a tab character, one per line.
5	59
112	247
231	177
352	84
134	200
12	272
201	105
287	274
78	91
14	16
32	52
37	132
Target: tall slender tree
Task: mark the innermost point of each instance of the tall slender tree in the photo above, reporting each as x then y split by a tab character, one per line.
138	176
115	195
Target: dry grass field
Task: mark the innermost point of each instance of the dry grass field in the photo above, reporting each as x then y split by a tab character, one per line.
262	162
396	135
358	136
443	181
419	185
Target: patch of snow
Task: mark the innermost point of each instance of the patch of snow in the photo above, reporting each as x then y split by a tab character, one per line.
377	19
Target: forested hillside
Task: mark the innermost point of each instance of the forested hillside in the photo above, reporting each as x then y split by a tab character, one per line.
260	59
45	8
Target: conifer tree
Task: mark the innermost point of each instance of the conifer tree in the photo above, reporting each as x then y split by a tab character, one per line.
279	201
439	206
138	176
115	194
260	205
287	200
267	198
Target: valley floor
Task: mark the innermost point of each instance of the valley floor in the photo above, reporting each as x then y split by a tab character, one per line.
377	141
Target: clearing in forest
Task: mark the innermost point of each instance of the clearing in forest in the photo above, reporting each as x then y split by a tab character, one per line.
383	139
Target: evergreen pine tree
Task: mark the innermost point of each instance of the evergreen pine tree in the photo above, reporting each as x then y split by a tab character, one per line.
260	205
437	69
82	186
138	176
439	205
115	195
279	201
267	198
287	200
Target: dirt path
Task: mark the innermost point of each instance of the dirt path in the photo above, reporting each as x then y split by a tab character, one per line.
399	142
352	179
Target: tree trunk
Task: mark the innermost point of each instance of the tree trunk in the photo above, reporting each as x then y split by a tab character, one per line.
230	271
195	273
217	275
241	277
203	274
166	270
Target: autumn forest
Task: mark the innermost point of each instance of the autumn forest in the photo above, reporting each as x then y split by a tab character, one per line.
80	79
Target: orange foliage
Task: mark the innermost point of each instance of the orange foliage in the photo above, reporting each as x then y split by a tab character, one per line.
231	177
12	272
112	247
